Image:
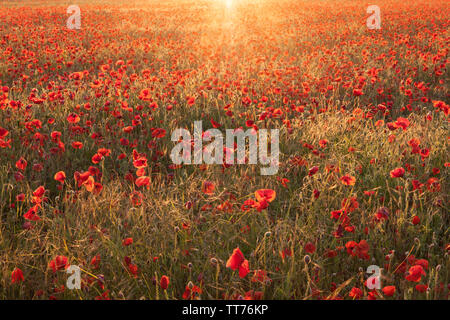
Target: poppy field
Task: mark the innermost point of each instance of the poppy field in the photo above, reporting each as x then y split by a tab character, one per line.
357	209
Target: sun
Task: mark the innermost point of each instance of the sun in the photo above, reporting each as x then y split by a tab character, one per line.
228	3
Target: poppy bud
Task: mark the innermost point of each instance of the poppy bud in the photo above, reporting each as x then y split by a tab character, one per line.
164	282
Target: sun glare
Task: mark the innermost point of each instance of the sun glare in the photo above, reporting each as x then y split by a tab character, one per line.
228	3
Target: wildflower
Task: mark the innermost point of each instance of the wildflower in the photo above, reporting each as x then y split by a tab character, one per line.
17	276
237	261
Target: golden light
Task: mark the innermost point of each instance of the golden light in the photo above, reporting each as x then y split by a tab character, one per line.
228	3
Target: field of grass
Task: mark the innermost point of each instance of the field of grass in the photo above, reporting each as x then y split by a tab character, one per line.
86	178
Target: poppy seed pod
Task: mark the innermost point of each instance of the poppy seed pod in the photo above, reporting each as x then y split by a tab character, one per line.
307	259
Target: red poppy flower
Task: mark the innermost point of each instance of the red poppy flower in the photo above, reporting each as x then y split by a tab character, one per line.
265	194
402	123
73	118
191	101
159	133
389	291
260	205
422	262
348	180
208	187
415	273
140	162
89	184
310	247
260	276
98	187
127	241
59	263
421	288
39	192
313	171
77	145
60	176
192	292
145	95
397	173
253	295
3	133
21	164
17	276
136	198
164	282
96	158
143	181
360	249
215	124
31	214
95	262
237	261
355	293
133	269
